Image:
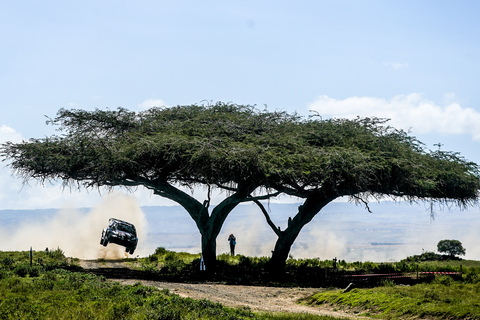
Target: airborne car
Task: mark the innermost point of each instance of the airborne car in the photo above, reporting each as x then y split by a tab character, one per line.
120	232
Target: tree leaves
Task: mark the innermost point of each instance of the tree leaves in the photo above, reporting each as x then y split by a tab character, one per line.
227	145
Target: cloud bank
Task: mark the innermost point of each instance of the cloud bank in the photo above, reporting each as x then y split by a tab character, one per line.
151	103
409	112
9	134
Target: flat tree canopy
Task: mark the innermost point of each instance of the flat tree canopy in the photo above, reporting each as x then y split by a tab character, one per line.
250	154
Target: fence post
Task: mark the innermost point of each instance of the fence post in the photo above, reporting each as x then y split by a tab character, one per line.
417	271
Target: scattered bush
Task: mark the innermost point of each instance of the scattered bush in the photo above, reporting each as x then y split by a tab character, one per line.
24	269
387	283
7	262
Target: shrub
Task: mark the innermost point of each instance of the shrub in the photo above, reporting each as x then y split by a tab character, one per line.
160	251
24	269
170	256
7	262
444	280
57	254
4	274
152	258
387	283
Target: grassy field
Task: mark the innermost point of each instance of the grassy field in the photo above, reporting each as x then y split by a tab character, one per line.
441	299
54	287
436	297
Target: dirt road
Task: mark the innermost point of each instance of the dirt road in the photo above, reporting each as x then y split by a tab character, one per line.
267	299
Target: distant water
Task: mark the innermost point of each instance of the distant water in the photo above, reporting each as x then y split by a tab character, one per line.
391	232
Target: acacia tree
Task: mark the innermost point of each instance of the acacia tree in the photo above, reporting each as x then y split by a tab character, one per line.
251	155
361	159
451	247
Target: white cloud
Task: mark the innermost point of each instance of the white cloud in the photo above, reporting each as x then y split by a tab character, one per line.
9	134
396	65
150	103
406	112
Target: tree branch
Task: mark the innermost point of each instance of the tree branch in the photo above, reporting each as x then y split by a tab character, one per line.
192	205
360	199
264	197
267	217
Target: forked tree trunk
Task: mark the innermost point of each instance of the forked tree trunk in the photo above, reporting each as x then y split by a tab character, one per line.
209	225
312	205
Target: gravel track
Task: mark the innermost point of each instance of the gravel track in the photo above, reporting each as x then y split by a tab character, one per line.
263	299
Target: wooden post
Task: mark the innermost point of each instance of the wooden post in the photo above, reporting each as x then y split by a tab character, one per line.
417	271
202	264
31	256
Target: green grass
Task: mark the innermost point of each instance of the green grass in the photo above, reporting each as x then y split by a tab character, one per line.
444	298
63	294
54	287
49	289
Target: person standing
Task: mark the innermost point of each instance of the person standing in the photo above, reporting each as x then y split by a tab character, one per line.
233	241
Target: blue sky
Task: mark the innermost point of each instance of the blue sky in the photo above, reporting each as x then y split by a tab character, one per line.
415	62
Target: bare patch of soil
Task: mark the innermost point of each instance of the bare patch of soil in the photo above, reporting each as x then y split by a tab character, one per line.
264	299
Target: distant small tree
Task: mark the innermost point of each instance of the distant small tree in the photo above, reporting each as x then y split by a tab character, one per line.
451	247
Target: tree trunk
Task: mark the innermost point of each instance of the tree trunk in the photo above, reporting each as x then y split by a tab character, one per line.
312	205
280	253
209	250
208	225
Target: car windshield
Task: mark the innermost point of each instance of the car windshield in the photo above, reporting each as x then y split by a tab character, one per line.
125	228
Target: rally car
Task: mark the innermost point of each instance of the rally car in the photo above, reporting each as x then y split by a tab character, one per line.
120	232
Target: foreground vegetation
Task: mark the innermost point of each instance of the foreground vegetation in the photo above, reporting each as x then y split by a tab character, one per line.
181	266
444	298
54	287
438	297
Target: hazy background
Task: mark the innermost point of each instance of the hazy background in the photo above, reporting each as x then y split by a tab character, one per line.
347	231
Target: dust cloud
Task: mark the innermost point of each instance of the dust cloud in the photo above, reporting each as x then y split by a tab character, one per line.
253	236
78	233
392	232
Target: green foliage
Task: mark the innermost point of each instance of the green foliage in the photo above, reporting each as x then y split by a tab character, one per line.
62	294
18	263
244	270
426	256
24	269
451	247
442	299
226	144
